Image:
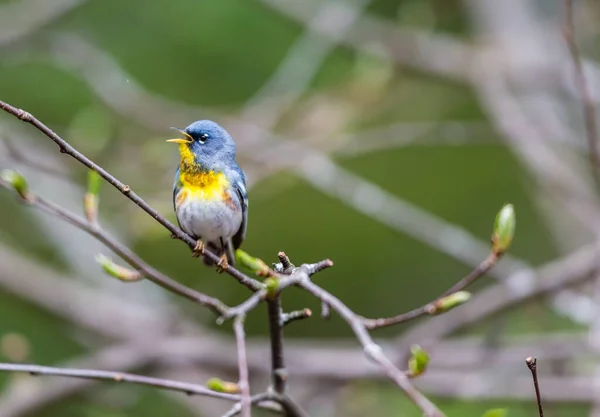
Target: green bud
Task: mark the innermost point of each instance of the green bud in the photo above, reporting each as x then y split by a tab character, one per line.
119	272
255	265
418	361
94	182
504	229
17	181
496	412
90	207
272	286
216	384
448	302
90	200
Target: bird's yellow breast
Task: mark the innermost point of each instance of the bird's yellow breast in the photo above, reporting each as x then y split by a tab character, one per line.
197	183
204	184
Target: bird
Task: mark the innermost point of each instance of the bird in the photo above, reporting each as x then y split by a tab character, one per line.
209	191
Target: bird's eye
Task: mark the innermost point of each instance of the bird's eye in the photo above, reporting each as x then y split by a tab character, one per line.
203	137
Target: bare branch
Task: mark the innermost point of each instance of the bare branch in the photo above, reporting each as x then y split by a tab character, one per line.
278	371
532	365
189	389
371	349
522	285
149	272
481	269
287	318
126	190
240	337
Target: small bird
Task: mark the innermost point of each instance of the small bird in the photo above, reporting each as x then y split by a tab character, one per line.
209	193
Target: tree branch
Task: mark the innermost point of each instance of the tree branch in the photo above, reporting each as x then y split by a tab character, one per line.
278	371
240	337
532	365
371	349
187	388
135	261
481	269
125	189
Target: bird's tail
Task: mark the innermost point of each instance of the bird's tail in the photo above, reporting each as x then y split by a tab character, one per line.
217	250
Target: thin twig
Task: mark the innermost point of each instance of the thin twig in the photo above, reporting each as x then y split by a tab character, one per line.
126	190
124	252
584	90
481	269
287	318
187	388
371	349
240	337
532	365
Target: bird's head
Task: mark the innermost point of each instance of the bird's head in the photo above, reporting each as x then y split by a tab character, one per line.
205	143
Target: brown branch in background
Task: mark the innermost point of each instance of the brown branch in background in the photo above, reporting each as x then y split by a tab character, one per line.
124	252
586	97
278	371
187	388
244	383
532	365
481	269
126	190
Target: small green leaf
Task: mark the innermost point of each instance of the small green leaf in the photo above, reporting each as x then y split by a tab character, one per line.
496	412
90	199
216	384
255	265
16	180
504	229
94	182
447	303
119	272
417	363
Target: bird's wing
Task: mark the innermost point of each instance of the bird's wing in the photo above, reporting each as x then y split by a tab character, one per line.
176	189
240	188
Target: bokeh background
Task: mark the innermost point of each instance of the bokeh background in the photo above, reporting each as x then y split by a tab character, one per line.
382	134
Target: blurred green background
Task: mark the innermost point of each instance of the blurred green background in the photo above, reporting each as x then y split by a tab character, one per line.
80	73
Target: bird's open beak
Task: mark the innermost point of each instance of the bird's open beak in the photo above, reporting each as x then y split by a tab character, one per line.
187	139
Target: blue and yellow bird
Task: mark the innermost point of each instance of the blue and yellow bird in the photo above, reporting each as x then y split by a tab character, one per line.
209	194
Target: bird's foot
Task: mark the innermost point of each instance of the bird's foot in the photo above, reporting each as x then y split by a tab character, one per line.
198	249
223	264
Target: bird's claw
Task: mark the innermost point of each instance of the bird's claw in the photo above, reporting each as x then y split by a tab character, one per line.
223	264
198	249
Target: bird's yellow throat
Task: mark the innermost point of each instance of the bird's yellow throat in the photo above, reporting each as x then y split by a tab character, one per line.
197	182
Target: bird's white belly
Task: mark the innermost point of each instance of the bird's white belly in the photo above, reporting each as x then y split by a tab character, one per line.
209	220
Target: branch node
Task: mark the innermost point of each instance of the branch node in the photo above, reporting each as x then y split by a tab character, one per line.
287	318
284	266
372	351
